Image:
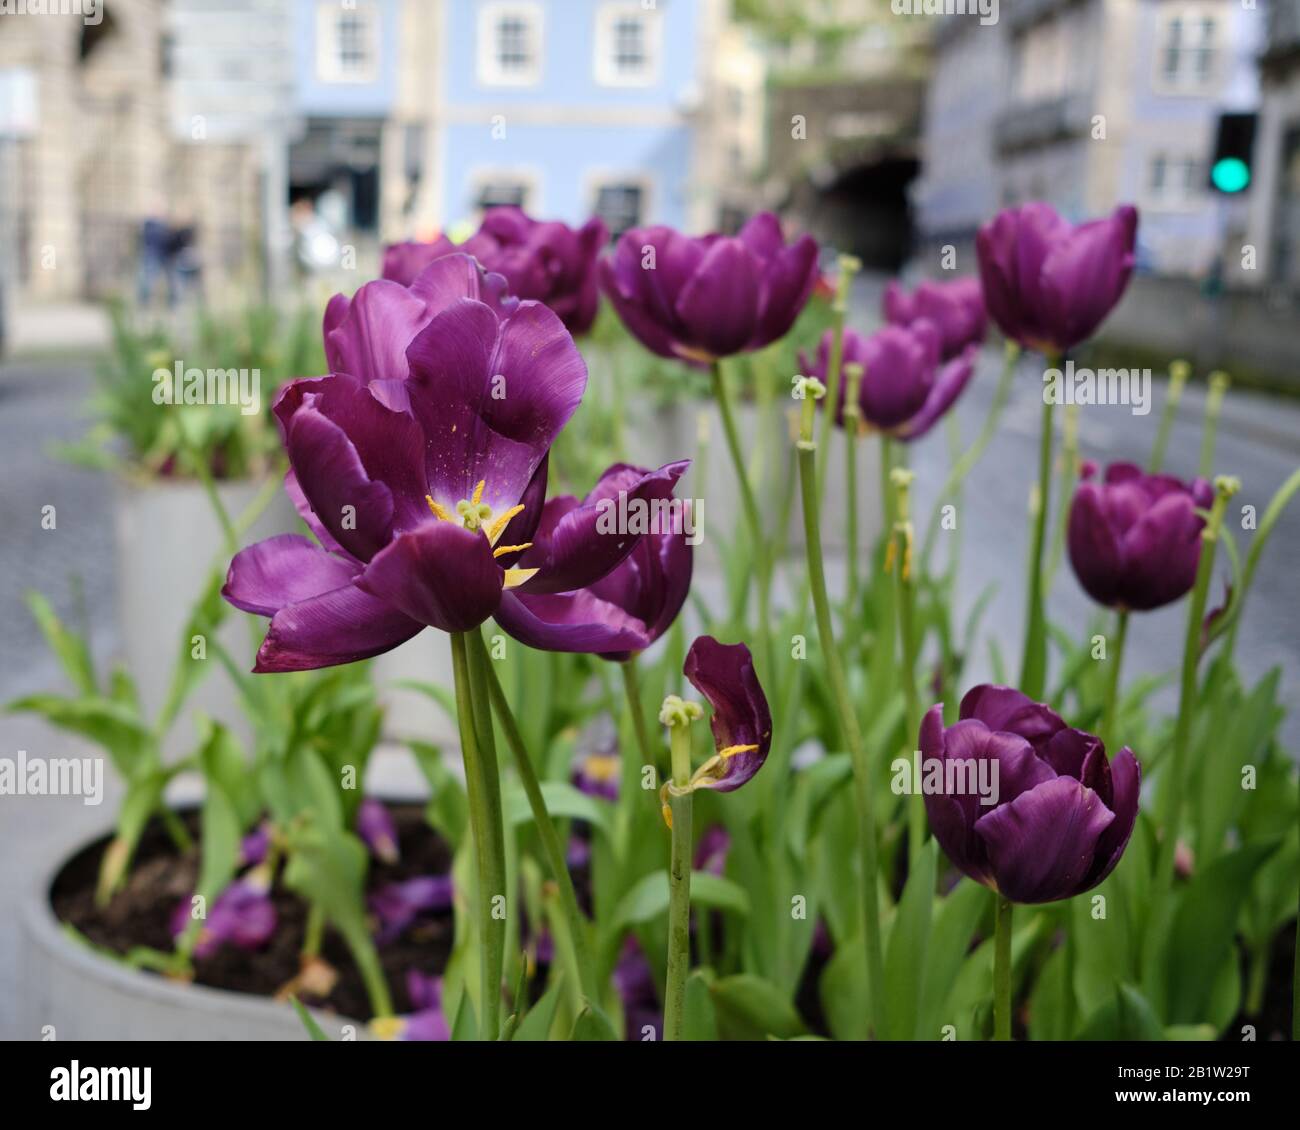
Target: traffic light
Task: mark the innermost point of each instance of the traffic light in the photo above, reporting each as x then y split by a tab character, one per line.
1234	142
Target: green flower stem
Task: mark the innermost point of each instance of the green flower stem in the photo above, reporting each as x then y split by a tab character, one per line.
1172	787
635	706
966	463
483	790
900	562
1070	464
1179	371
1277	505
1213	407
315	931
1033	666
679	884
1002	969
551	847
849	266
763	565
848	717
1116	658
852	420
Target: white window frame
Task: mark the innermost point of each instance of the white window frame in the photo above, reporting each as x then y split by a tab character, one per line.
490	15
329	65
1186	80
529	178
1174	197
597	179
605	68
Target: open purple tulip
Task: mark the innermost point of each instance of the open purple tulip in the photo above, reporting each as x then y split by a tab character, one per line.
242	916
631	606
1135	539
905	390
545	261
741	723
1021	802
700	299
1049	284
598	773
955	308
420	466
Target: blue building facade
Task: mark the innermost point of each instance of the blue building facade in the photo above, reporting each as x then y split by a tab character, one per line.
568	108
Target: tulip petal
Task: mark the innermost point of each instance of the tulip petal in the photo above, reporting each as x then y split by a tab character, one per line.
370	340
1042	845
341	626
948	386
724	675
718	307
570	622
441	574
282	570
1005	708
1126	785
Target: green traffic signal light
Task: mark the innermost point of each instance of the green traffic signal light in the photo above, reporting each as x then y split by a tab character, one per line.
1230	175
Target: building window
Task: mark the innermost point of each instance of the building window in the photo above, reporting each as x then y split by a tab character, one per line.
627	45
620	205
1174	181
510	44
505	189
1188	49
347	43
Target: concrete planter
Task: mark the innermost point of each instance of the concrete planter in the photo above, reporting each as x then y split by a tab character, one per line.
166	539
84	996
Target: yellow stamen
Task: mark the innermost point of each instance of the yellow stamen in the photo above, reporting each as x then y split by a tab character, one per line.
387	1027
438	509
501	551
498	525
478	492
733	750
517	577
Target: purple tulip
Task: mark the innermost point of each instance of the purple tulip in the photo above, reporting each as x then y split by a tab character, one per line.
955	308
701	299
905	390
1135	539
242	916
711	852
420	465
742	723
1061	813
635	982
427	1022
1049	284
626	610
547	262
598	774
397	905
254	846
376	828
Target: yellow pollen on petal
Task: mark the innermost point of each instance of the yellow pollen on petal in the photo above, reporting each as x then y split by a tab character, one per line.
438	509
478	492
517	577
388	1027
733	750
501	551
498	525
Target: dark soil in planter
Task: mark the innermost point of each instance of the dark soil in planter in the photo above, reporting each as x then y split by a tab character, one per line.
140	913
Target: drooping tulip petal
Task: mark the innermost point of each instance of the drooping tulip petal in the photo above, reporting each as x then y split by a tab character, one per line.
700	299
397	905
948	386
282	570
344	625
570	622
1049	284
377	830
742	722
1135	539
242	916
1058	815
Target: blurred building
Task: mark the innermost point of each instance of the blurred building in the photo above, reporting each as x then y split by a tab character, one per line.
1086	103
84	171
569	107
1275	213
845	94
